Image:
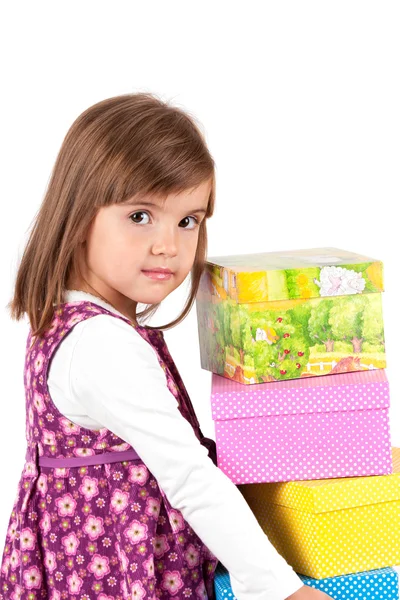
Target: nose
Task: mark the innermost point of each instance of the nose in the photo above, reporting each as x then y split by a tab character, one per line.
166	242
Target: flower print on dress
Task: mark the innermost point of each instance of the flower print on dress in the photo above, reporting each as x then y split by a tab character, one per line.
27	539
42	485
84	452
176	519
17	594
153	506
45	523
12	530
76	318
94	527
99	566
192	556
38	402
74	583
63	472
119	501
50	561
32	578
38	363
110	525
120	447
48	437
160	545
138	474
136	532
172	582
66	506
15	560
137	590
149	566
70	543
30	469
89	488
30	416
68	427
122	557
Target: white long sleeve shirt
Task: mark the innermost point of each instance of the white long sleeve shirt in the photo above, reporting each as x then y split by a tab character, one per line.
104	374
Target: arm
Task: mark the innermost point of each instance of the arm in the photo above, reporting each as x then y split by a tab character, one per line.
115	375
308	593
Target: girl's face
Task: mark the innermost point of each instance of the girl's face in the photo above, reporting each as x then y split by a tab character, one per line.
127	240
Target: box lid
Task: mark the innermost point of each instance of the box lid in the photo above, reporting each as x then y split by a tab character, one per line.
293	274
352	579
359	390
324	495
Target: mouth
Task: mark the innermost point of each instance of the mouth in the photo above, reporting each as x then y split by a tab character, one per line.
158	274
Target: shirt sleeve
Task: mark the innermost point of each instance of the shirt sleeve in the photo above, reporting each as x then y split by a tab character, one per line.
115	375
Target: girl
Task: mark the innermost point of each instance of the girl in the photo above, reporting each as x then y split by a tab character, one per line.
120	496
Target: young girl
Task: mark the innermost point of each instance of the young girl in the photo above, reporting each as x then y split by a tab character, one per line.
120	496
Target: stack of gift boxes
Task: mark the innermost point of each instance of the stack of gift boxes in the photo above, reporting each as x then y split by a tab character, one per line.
300	402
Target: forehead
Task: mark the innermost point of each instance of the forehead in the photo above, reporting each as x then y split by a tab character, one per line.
195	198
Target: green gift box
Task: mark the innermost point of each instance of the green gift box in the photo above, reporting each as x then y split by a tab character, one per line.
275	316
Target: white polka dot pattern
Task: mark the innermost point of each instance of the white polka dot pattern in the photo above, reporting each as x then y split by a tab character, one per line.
222	584
315	428
362	390
378	584
332	527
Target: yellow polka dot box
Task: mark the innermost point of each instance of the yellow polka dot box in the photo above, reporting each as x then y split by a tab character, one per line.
378	584
330	527
275	316
313	428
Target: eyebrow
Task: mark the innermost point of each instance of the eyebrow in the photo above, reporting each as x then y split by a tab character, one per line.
139	203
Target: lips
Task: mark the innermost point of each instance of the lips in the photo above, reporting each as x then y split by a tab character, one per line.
158	270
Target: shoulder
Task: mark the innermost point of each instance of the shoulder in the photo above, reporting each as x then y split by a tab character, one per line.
110	356
107	336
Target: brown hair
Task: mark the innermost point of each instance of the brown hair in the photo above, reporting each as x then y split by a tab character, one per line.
119	147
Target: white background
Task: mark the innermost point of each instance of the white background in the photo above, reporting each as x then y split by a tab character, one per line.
299	102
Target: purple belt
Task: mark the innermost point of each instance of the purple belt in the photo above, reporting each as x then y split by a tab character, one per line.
82	461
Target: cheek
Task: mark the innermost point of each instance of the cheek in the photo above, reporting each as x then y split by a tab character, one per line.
104	253
188	256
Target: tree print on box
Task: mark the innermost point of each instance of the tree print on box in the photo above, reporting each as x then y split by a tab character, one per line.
282	323
98	531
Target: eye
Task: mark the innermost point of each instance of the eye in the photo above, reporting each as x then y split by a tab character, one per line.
138	212
195	221
137	218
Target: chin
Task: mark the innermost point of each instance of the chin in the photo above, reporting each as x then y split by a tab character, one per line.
154	298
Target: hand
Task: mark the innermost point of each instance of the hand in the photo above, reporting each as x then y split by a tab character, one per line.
308	593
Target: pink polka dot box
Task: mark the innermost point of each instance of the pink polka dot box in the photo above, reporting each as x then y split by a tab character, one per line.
312	428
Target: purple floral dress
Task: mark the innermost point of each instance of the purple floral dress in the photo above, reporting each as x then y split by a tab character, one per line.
96	531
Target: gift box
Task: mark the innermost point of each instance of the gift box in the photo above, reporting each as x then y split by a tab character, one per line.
379	584
310	428
330	527
284	315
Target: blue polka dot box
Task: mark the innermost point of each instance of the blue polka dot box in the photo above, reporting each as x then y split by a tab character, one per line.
379	584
